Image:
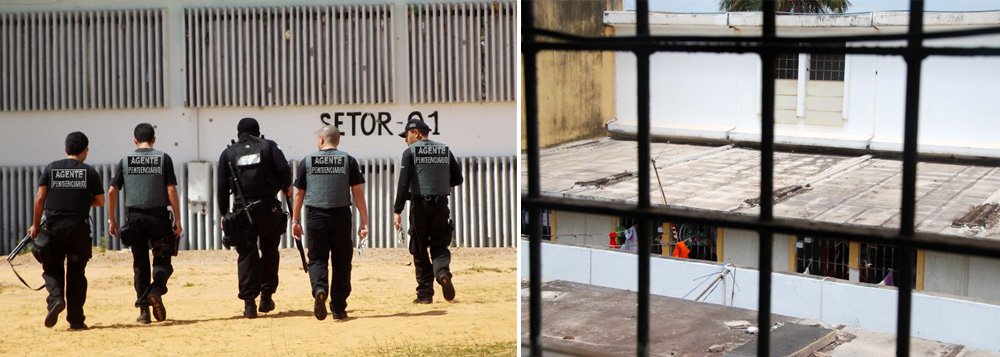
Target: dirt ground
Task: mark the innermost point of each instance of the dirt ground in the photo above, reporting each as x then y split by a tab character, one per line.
204	316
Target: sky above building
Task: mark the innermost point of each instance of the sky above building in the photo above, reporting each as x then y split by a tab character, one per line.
702	6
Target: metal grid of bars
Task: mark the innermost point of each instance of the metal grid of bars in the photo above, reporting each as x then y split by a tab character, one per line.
700	239
826	67
290	55
822	257
787	66
546	223
462	52
879	261
73	60
768	46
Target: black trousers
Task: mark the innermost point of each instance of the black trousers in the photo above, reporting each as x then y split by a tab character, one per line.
150	228
258	259
429	230
329	232
69	242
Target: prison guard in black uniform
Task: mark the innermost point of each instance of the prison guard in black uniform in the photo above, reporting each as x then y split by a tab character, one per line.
263	171
71	186
145	174
327	177
427	173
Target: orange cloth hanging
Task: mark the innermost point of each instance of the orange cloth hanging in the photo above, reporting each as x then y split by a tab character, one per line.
681	250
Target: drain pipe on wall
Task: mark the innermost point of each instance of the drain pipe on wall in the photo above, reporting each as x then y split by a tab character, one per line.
871	137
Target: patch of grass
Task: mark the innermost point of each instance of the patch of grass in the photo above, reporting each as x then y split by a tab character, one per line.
483	269
189	284
102	244
458	348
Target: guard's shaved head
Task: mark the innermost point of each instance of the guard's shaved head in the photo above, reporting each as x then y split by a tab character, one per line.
330	134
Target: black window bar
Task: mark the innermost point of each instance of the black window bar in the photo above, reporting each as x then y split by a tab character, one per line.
768	46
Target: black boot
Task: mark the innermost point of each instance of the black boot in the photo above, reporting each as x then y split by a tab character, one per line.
249	309
423	300
143	316
53	315
447	288
319	305
156	301
266	303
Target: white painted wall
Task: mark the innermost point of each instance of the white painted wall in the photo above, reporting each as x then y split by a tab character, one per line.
717	96
870	307
35	138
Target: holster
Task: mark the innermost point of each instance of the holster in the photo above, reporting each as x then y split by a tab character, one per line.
165	247
39	246
234	227
167	244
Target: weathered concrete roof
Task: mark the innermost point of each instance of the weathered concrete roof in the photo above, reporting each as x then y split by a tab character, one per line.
860	190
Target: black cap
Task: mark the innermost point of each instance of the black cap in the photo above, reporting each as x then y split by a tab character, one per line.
414	124
248	125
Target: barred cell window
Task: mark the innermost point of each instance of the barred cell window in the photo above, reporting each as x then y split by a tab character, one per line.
786	66
546	223
878	262
699	240
822	257
826	67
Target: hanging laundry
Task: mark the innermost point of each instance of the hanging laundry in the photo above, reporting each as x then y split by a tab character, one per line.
681	250
631	240
613	241
888	280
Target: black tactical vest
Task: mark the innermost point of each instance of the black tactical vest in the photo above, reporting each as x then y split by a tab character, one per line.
328	182
432	162
144	182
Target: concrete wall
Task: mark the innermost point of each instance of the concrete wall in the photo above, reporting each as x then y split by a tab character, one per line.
867	306
718	95
943	273
472	129
575	89
582	229
962	275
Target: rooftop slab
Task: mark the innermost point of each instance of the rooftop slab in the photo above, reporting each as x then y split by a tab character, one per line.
601	321
855	190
